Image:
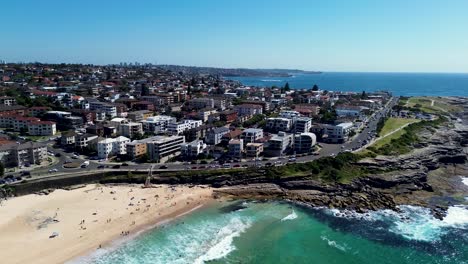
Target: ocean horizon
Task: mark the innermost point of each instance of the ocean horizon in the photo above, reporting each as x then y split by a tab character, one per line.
399	83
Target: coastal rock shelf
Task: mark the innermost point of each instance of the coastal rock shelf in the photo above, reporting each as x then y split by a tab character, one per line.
428	176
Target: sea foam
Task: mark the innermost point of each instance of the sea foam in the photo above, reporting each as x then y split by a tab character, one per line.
222	244
334	244
465	180
290	216
413	222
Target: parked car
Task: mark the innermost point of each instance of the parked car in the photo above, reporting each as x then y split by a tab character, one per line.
101	167
124	164
58	155
116	166
163	167
25	173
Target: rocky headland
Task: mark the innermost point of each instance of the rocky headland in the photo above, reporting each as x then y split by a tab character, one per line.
429	176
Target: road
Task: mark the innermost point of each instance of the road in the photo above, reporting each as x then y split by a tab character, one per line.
327	150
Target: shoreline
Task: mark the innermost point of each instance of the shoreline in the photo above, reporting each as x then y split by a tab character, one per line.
108	211
113	244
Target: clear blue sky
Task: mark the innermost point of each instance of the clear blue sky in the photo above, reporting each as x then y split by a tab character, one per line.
328	35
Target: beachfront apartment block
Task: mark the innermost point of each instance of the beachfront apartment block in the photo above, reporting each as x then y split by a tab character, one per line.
279	144
235	148
193	149
253	149
136	149
17	155
304	142
162	148
337	133
252	135
112	146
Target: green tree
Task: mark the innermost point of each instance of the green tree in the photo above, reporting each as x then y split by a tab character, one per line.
363	95
2	169
315	88
144	89
286	87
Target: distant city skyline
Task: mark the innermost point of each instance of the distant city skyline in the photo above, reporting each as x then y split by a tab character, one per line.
352	36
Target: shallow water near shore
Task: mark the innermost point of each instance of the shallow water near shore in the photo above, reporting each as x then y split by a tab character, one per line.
274	232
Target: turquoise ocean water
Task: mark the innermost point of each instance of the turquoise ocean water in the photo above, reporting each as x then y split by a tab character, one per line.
275	232
402	84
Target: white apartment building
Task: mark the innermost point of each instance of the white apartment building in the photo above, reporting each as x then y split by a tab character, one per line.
193	149
302	124
304	142
108	109
338	133
162	148
182	126
112	146
276	124
131	129
279	144
289	114
42	128
157	124
252	135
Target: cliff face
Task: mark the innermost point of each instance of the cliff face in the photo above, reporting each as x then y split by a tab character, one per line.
428	176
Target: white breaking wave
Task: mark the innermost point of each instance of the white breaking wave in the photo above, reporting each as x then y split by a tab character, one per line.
465	180
290	216
413	222
222	244
334	244
271	80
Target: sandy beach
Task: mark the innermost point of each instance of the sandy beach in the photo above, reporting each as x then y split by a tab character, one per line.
86	218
